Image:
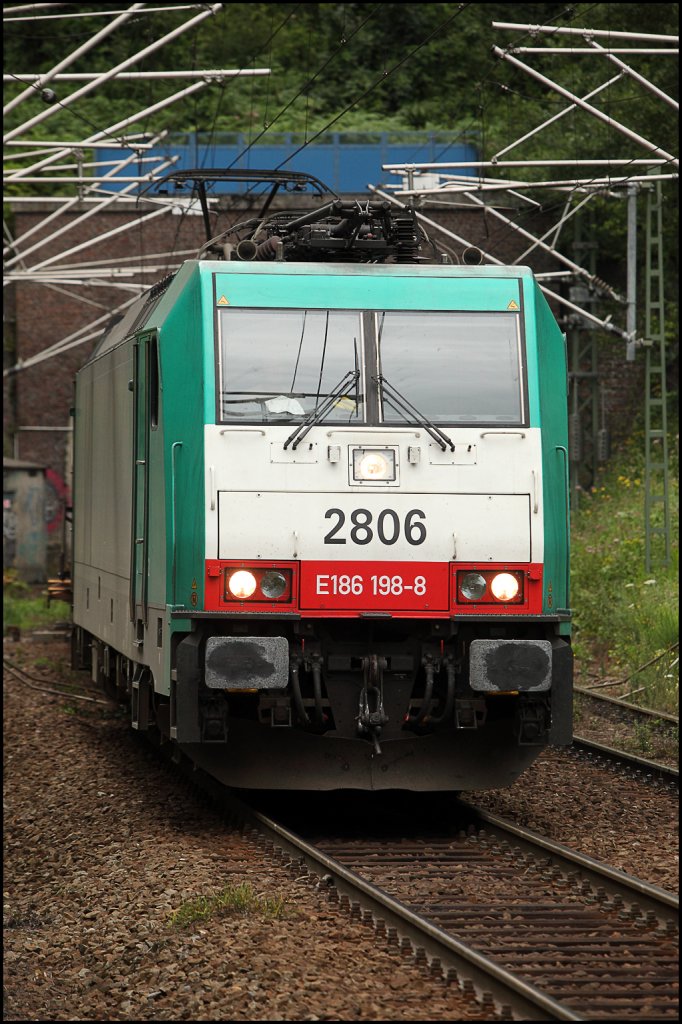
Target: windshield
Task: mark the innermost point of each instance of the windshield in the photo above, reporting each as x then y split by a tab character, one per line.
454	367
278	366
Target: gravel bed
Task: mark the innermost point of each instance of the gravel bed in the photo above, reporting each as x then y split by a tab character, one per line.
631	825
103	844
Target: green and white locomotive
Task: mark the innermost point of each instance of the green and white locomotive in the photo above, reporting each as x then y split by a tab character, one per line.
321	508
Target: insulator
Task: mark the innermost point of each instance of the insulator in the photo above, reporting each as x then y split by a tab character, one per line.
267	250
405	228
575	438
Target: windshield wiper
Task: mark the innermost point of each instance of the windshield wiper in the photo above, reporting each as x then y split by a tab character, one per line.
400	404
320	411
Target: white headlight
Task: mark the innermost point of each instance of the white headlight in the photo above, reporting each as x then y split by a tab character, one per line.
473	586
373	464
504	586
242	584
273	585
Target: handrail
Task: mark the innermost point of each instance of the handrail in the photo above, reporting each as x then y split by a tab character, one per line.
243	430
520	433
176	444
133	511
564	452
386	429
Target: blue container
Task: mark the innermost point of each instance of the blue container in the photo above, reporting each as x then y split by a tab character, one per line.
345	161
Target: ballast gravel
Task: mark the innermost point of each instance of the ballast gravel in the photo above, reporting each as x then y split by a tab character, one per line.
103	844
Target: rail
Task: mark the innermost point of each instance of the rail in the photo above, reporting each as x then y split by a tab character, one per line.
342	868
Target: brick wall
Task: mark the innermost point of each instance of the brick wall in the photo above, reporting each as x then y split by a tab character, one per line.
39	315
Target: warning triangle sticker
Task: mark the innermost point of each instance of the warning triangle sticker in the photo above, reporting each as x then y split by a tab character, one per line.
222	301
513	305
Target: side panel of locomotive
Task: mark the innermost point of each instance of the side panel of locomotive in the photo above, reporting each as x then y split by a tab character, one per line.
138	411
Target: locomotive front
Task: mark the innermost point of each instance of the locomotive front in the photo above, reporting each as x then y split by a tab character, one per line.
383	601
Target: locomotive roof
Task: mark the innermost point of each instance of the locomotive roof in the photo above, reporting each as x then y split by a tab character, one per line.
363	269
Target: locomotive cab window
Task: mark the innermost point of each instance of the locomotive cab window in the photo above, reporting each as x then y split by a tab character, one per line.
284	365
453	367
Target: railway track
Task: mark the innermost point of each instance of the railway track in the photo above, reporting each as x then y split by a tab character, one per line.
641	767
658	727
623	706
535	930
615	727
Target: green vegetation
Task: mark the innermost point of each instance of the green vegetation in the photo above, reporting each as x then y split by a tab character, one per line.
405	66
643	738
237	899
626	619
25	607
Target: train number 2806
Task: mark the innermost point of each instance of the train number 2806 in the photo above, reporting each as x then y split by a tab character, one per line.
388	527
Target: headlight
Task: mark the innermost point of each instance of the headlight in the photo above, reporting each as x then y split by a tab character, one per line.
504	586
473	586
489	586
256	583
273	585
373	464
241	584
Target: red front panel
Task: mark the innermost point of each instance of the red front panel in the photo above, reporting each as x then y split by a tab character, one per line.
375	586
348	588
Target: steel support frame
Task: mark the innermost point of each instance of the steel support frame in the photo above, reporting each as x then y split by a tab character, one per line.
656	482
583	373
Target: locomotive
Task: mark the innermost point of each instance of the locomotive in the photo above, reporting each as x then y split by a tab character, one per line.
321	506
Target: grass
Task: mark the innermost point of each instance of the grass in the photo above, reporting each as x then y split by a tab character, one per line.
26	607
626	619
238	899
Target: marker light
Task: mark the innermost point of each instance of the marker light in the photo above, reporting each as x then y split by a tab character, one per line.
373	464
242	584
504	586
